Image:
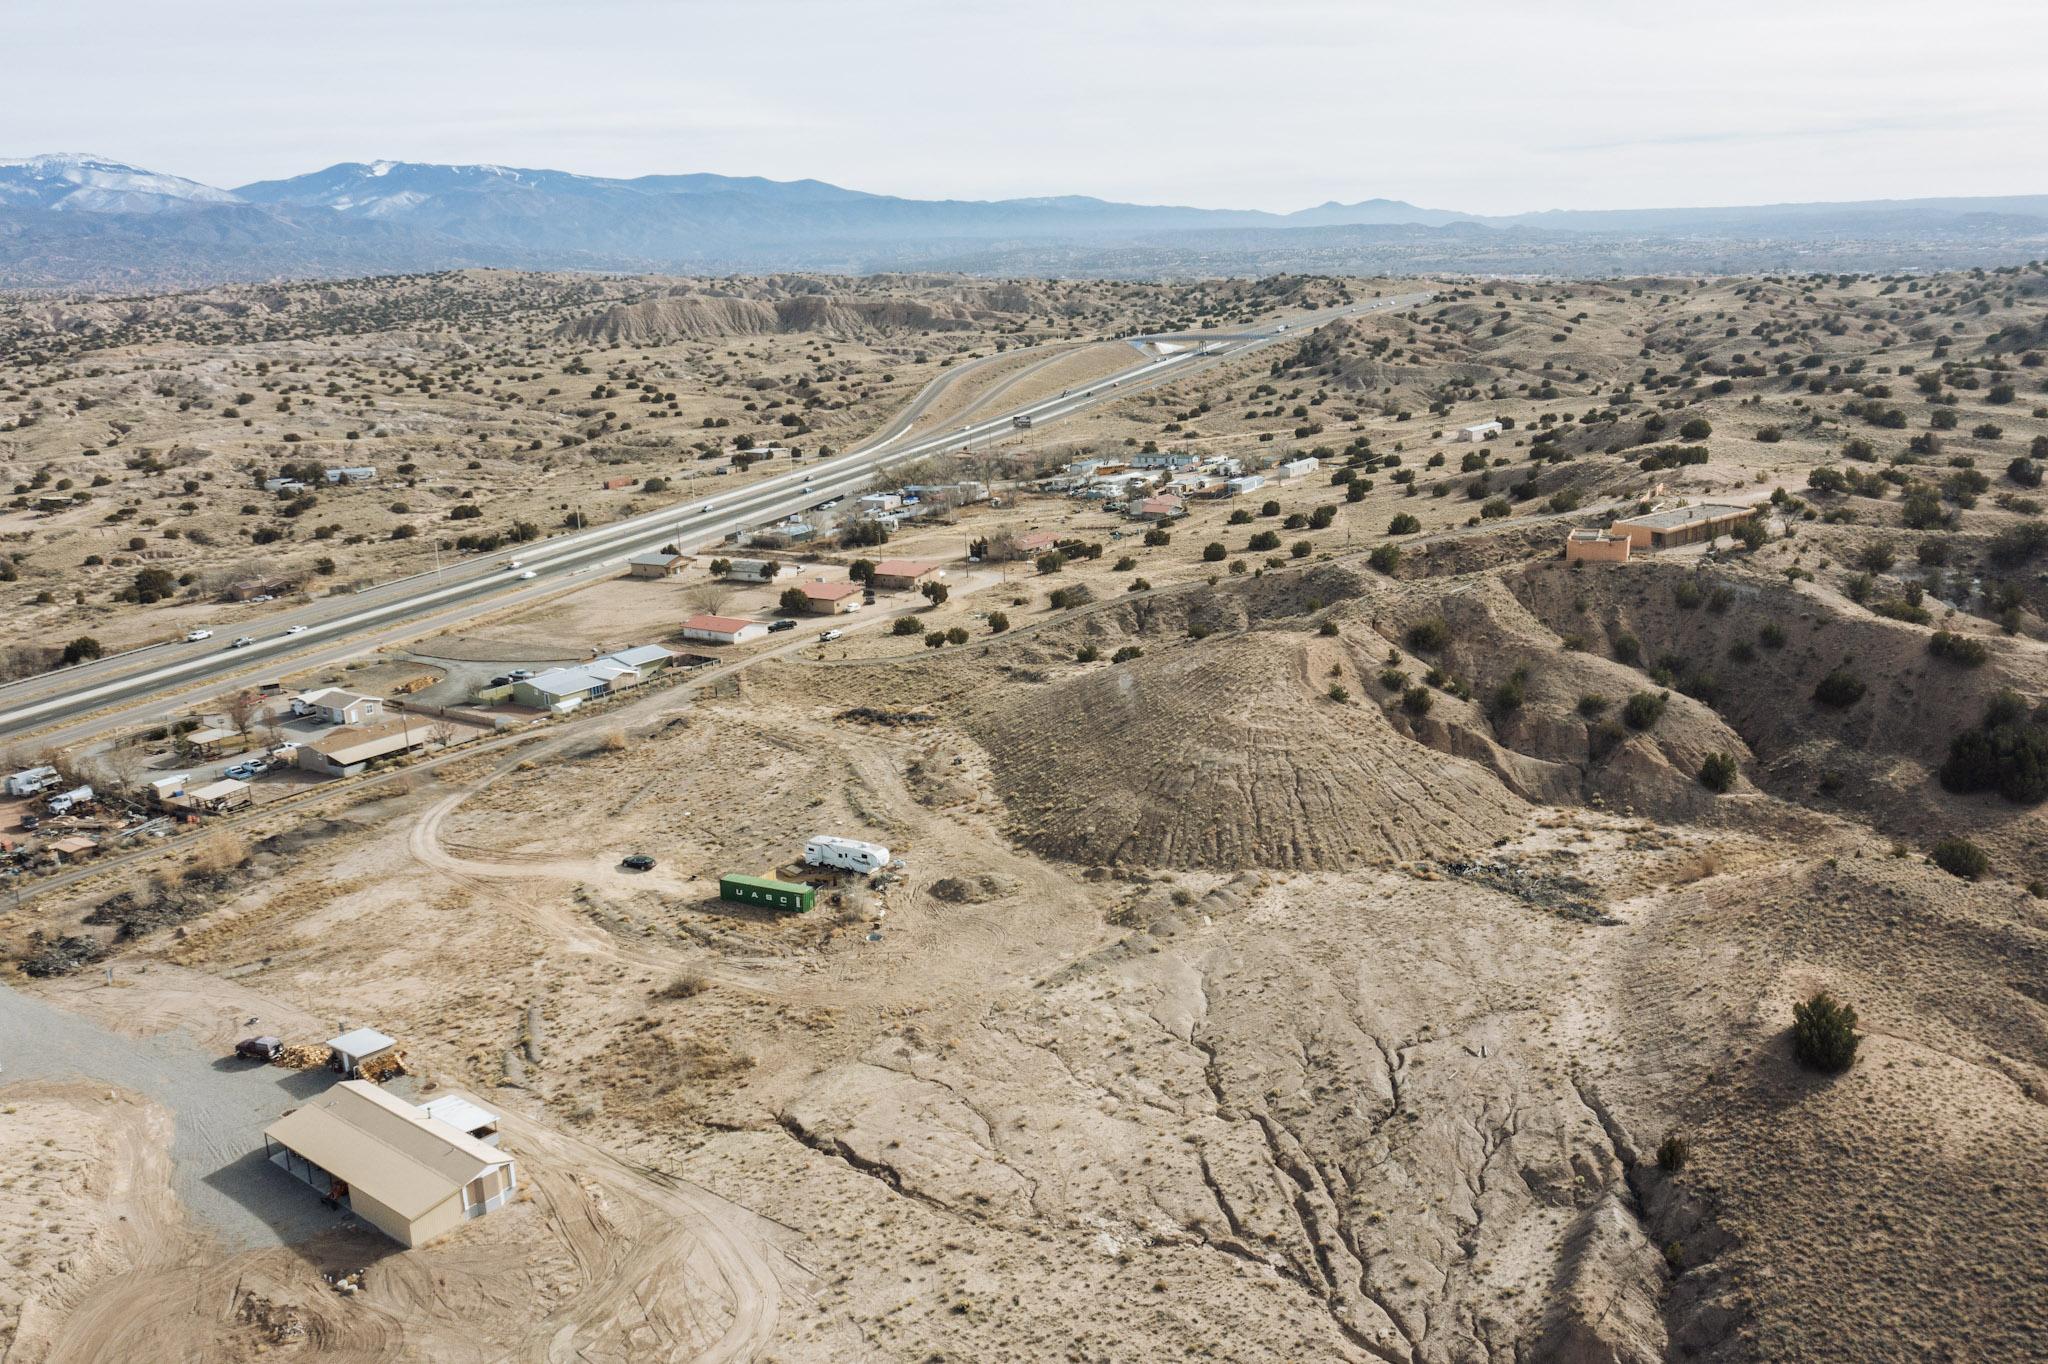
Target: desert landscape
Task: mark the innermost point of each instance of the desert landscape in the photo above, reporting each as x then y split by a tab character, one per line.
1334	903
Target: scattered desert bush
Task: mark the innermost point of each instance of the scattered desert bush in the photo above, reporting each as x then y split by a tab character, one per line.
1645	708
685	985
1840	689
1719	771
1960	857
1417	700
1958	649
1429	635
1672	1153
2006	752
1824	1033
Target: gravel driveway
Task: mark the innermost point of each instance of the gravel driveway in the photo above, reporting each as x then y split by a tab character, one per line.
221	1107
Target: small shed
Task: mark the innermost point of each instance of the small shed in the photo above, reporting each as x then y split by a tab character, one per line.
351	1049
72	848
216	797
208	741
1479	431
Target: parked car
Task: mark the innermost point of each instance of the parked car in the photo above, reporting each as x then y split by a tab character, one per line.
521	674
265	596
259	1048
501	681
242	642
637	862
829	636
775	626
30	823
243	771
194	636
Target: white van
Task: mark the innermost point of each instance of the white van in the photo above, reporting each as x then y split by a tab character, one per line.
848	854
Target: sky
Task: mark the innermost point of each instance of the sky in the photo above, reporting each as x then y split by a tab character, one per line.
1485	106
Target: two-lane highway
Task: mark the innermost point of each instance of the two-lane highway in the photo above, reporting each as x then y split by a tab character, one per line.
294	636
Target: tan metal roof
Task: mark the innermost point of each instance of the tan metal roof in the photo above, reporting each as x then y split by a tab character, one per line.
829	591
903	568
219	790
399	1156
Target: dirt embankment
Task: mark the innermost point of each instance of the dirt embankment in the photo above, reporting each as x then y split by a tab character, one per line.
84	1195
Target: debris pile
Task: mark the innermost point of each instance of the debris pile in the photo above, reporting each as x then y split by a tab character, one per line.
383	1066
348	1284
60	956
305	1056
870	715
278	1323
1571	897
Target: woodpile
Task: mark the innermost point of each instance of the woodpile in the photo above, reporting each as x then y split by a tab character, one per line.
305	1057
383	1066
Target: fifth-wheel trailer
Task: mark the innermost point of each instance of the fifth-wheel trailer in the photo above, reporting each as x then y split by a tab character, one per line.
848	854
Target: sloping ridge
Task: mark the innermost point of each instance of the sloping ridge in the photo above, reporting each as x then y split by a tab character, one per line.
695	316
1228	756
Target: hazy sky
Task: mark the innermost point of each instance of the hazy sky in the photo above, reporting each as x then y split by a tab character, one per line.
1481	105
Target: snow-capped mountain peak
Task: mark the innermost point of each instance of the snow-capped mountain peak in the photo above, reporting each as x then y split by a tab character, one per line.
79	182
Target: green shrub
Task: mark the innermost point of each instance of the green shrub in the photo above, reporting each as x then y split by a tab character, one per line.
1824	1034
1592	706
1645	708
1628	649
1339	693
1687	595
1127	653
1429	635
1507	697
1417	700
1393	679
1214	552
1263	541
1672	1153
1960	857
1404	524
1385	558
1772	636
1840	689
907	625
2006	752
1719	771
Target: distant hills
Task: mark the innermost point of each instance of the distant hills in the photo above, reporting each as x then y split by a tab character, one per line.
87	222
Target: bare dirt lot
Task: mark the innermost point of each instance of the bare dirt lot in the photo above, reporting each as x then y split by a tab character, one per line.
1371	939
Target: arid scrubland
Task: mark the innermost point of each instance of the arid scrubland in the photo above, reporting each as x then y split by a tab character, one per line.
1332	925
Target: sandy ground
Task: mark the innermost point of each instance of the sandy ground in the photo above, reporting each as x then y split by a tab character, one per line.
1322	980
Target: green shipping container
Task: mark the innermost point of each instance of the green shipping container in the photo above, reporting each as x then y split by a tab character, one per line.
759	890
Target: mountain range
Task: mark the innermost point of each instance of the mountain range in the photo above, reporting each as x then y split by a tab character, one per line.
76	221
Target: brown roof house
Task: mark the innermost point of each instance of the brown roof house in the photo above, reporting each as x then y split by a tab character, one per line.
897	575
831	599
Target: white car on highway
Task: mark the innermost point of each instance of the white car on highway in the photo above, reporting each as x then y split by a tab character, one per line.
242	642
295	630
709	506
194	636
529	573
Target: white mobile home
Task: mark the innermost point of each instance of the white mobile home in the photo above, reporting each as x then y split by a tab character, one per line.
848	854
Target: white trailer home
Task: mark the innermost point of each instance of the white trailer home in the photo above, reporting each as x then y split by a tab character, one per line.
848	854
